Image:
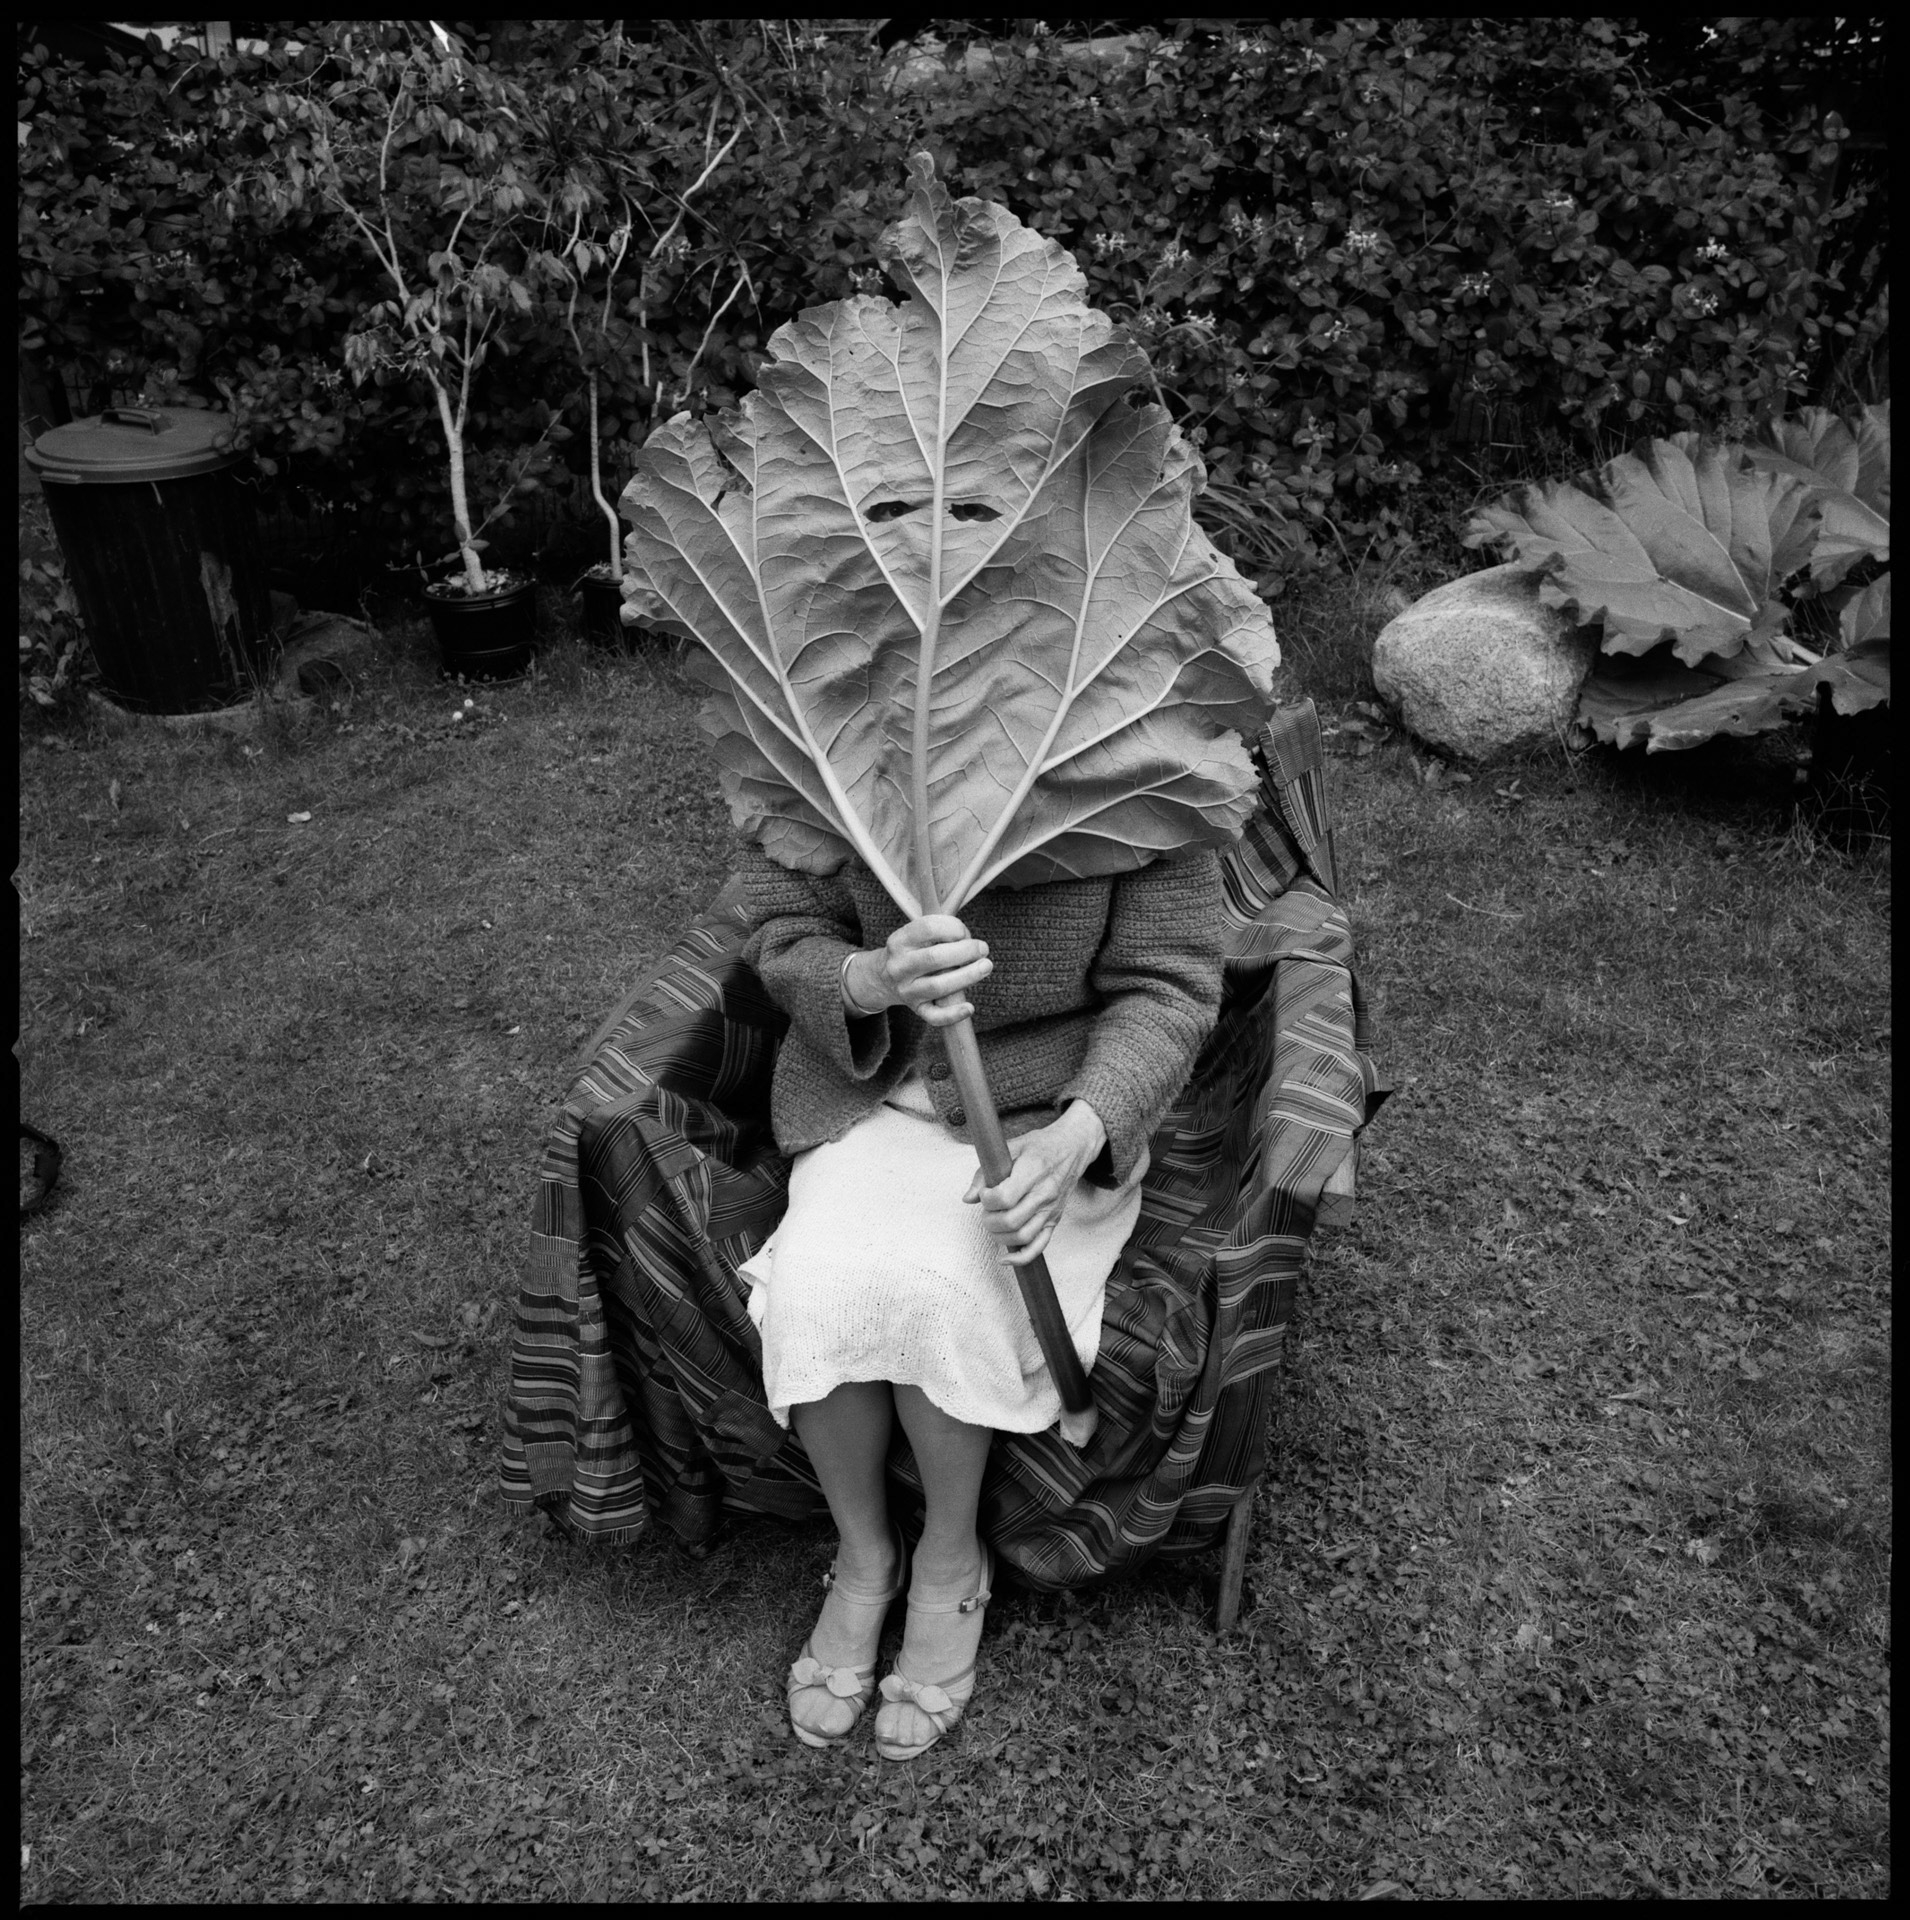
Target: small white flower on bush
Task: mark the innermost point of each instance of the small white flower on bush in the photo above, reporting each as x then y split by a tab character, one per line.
1714	252
1106	244
1362	240
1173	255
1334	332
1475	285
865	279
1701	301
1559	205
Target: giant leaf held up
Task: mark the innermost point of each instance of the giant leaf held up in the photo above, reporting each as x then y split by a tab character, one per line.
955	613
957	617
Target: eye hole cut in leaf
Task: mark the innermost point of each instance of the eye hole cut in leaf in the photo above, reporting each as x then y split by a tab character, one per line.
1688	545
1846	465
955	615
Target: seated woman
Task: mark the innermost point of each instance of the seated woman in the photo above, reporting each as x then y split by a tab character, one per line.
886	1292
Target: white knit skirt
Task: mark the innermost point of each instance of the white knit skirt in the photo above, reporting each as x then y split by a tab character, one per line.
880	1271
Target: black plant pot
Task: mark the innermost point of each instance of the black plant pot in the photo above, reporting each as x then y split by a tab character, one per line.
603	608
484	636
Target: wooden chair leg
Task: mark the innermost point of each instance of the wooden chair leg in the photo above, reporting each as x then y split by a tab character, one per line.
1233	1565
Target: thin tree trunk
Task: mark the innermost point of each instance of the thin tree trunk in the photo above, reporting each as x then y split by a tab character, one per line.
474	578
596	479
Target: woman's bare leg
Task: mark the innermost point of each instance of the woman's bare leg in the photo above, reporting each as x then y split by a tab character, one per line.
846	1435
847	1439
952	1457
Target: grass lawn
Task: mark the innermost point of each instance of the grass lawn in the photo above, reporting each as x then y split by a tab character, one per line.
1571	1577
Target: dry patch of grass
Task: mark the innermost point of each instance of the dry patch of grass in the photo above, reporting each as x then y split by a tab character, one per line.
1571	1576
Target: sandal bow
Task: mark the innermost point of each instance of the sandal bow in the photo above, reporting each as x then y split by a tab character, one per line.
844	1682
933	1700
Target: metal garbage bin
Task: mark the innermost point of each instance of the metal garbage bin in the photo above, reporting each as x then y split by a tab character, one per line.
162	547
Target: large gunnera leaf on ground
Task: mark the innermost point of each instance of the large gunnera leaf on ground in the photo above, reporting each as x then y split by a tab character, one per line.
1846	466
1688	545
957	614
1669	707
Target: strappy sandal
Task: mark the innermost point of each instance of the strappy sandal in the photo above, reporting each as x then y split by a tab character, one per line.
807	1675
941	1702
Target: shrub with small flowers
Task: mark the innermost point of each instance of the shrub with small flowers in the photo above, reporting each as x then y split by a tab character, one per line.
1360	251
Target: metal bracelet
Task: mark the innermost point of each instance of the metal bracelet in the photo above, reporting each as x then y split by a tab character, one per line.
849	1000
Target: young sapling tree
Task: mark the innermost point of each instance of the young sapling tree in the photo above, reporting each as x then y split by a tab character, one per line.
423	150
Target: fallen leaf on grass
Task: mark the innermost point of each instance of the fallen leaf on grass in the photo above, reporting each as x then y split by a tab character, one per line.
1704	1551
297	819
431	1339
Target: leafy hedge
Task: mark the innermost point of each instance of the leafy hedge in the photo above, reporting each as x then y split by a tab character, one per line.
1359	251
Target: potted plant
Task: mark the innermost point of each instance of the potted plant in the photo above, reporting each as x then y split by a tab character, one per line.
425	152
610	178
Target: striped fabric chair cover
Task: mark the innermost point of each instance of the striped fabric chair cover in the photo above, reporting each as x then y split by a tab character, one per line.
636	1385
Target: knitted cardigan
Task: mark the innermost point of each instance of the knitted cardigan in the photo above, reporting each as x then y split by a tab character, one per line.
1103	990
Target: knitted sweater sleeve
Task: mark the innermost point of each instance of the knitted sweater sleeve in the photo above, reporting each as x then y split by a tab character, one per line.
803	927
1158	976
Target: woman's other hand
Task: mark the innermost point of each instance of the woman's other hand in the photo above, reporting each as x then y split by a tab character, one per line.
927	966
1023	1211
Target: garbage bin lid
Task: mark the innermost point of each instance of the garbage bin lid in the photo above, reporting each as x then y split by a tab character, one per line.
133	443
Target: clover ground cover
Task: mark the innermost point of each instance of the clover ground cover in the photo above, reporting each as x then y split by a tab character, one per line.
1570	1575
